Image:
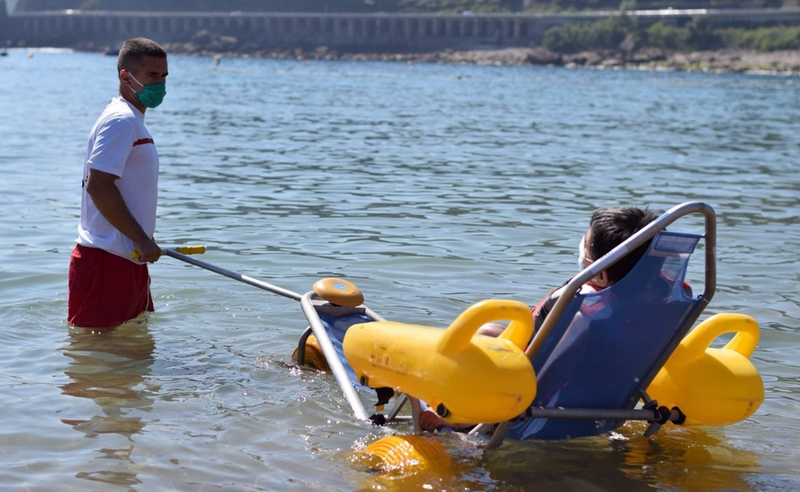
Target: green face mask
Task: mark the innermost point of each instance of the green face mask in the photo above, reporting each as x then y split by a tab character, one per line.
151	95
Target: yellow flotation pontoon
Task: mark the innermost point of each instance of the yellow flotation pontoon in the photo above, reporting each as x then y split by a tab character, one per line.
466	377
713	386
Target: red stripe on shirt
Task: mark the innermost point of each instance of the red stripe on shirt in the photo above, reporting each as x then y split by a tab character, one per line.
143	141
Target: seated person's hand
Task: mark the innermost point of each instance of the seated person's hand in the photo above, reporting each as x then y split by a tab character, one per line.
430	421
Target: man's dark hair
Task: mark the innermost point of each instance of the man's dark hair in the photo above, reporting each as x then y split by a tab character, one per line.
610	227
134	50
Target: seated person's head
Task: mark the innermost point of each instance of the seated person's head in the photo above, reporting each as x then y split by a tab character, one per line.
608	228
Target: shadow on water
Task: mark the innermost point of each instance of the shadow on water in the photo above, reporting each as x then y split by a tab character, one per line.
110	368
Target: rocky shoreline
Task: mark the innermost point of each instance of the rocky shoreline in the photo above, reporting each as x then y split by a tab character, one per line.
741	61
745	61
718	61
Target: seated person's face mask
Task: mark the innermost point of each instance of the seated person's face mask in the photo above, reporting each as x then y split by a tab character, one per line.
582	253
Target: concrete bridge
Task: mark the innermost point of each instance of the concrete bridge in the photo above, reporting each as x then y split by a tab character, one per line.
344	32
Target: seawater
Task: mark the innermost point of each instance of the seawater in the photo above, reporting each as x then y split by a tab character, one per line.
429	186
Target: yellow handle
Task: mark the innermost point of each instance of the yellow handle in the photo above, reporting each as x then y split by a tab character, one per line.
694	345
460	332
191	250
184	250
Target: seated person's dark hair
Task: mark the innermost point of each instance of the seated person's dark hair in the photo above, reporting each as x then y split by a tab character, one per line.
612	226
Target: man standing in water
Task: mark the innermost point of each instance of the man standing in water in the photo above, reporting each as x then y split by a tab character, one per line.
120	192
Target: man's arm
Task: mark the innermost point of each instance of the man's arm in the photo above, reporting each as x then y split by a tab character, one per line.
109	202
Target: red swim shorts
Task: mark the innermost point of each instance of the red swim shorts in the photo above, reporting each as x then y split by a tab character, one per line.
105	289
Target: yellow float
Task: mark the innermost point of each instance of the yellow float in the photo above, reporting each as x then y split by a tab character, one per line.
400	454
467	378
313	355
712	386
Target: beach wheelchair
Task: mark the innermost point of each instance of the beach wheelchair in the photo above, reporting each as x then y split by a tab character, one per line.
599	360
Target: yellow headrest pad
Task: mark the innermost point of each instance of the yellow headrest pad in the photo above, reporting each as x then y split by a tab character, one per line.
338	291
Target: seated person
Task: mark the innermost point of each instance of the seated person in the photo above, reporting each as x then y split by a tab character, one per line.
608	228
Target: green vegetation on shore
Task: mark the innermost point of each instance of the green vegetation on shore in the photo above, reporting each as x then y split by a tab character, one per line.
354	6
623	32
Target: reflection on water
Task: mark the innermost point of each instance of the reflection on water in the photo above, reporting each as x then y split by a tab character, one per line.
677	458
690	459
111	368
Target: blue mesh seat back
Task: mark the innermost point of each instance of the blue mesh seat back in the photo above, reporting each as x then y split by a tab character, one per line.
607	342
336	327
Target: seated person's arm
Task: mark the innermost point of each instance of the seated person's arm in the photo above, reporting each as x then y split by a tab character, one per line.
496	329
493	329
430	421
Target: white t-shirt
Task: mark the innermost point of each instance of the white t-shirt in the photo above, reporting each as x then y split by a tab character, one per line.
120	144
